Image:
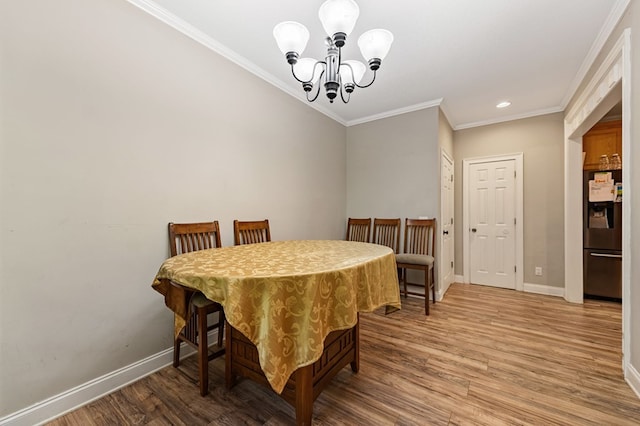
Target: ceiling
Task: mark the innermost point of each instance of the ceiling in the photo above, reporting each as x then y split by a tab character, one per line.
465	55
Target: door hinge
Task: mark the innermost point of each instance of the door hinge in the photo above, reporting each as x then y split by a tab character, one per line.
515	269
514	174
451	178
452	221
514	220
452	263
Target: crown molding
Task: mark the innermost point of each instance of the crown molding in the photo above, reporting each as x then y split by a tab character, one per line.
530	114
209	42
616	14
394	112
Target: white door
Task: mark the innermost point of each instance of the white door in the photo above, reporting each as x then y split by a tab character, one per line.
492	243
446	225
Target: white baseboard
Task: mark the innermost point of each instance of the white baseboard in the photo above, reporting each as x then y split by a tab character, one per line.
56	406
530	288
632	377
544	289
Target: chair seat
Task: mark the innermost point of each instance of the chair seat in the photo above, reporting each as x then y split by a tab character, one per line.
415	259
200	301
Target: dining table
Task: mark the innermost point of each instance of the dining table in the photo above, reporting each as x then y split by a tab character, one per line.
292	307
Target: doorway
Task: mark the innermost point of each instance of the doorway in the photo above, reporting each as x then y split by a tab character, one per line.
609	83
493	221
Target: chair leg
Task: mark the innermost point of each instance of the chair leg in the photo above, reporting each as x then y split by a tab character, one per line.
404	281
221	321
426	291
433	285
203	352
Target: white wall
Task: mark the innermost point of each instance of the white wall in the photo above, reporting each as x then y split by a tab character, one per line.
114	124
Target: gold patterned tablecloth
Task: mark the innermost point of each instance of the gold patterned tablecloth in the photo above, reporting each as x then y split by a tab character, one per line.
286	296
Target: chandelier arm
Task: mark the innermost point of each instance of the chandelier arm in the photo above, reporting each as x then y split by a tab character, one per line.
370	83
346	101
318	91
322	72
313	74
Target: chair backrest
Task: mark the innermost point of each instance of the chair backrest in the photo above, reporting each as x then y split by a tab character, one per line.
251	232
386	232
420	236
188	237
359	230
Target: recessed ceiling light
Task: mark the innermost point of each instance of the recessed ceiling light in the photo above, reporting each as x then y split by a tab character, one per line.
503	104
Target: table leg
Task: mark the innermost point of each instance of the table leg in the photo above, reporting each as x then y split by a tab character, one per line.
304	395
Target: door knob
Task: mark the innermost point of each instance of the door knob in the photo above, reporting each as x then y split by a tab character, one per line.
445	232
473	229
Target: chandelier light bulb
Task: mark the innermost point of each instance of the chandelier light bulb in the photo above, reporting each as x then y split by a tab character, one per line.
338	17
291	37
375	44
305	68
354	74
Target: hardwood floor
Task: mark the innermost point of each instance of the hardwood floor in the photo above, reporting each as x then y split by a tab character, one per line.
485	356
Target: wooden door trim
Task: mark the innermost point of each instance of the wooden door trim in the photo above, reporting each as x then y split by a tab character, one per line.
519	212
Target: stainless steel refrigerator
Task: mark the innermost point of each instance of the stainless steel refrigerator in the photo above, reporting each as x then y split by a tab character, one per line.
602	242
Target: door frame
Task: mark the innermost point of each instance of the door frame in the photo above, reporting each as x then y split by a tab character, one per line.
519	212
444	155
591	104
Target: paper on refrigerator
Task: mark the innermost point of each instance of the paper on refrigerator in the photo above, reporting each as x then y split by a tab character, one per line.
601	191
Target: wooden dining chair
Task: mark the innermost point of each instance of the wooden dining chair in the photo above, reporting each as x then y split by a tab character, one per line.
386	232
251	232
358	230
419	253
185	238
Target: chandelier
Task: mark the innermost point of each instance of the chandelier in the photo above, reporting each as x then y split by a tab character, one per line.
338	18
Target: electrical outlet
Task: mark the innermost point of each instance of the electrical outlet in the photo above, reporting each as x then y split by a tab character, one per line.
539	271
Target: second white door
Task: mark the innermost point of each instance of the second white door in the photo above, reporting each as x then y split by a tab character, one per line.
446	271
492	224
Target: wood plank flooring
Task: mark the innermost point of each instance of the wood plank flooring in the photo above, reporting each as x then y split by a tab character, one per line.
485	356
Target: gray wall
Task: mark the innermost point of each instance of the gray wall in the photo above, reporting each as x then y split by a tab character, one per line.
114	124
445	134
541	140
393	167
630	20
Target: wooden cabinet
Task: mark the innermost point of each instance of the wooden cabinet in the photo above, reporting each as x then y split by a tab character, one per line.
604	138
